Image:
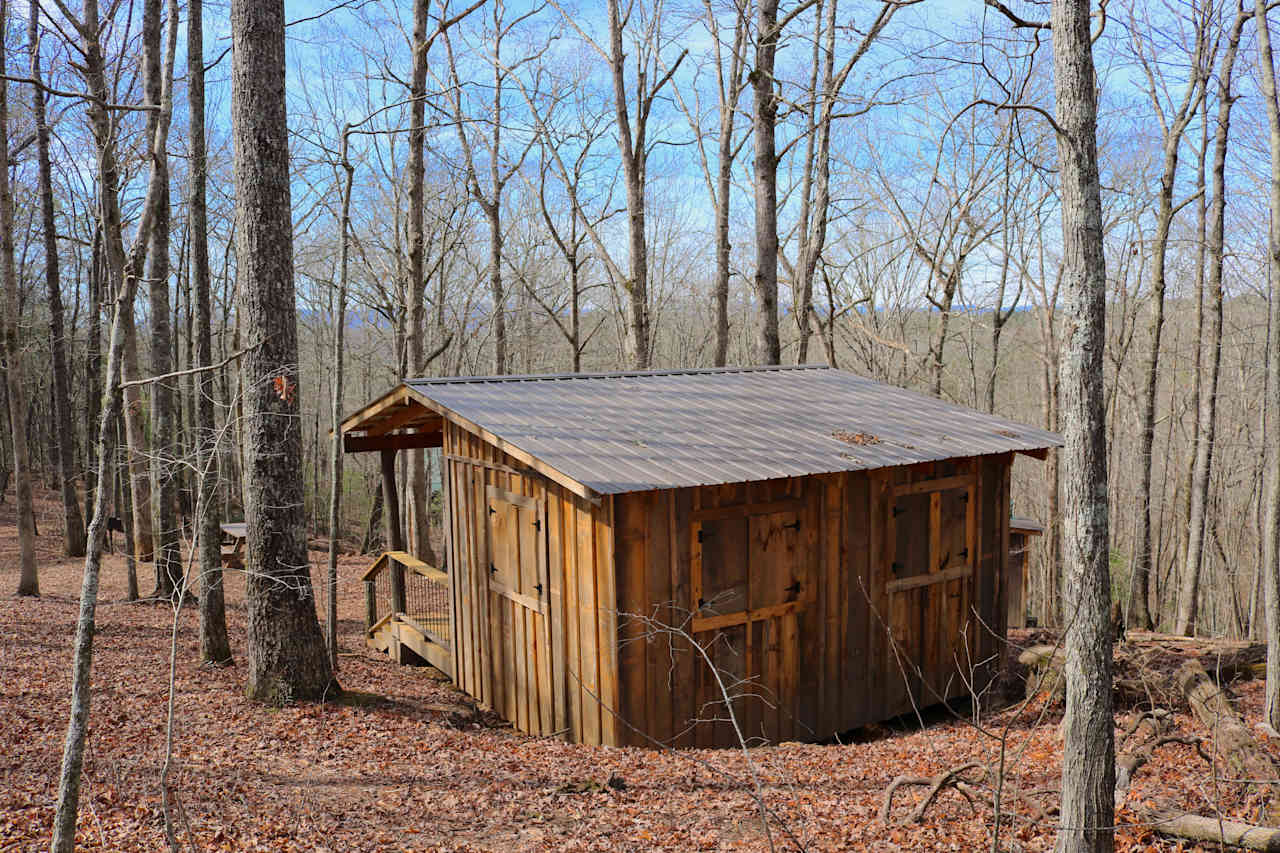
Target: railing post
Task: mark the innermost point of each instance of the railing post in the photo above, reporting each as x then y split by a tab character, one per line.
370	604
399	601
395	533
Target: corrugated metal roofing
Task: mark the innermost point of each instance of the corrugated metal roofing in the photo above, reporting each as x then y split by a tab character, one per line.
627	432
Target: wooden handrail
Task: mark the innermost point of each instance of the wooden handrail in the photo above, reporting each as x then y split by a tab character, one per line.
398	561
376	625
407	560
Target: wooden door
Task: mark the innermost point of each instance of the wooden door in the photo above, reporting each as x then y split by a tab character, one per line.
751	578
519	592
930	589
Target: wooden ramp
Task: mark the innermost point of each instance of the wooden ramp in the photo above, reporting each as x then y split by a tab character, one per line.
407	611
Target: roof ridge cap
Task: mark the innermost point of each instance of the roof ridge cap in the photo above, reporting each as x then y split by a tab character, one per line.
620	374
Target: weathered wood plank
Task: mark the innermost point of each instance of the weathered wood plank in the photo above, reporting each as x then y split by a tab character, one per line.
572	620
935	579
607	597
915	487
630	555
764	507
657	570
587	627
683	663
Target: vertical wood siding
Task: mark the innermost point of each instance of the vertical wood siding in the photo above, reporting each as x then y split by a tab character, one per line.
821	638
857	649
579	672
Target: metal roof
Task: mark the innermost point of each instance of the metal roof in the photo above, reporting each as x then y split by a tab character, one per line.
627	432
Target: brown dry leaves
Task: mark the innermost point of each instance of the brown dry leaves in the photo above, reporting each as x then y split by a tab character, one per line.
393	774
859	438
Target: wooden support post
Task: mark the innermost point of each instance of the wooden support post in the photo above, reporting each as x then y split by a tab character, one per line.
370	605
395	533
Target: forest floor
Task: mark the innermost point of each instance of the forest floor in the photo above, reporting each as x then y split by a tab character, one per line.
396	770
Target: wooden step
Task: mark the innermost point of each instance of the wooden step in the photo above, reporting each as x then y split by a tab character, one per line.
396	632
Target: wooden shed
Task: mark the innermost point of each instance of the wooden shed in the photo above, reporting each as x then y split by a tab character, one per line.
626	550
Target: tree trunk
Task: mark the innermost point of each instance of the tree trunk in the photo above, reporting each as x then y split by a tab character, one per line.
94	478
335	449
164	479
1210	361
418	487
1088	752
1271	527
287	659
634	156
1143	558
124	506
214	644
64	822
64	435
814	234
766	344
28	578
730	88
1172	142
125	283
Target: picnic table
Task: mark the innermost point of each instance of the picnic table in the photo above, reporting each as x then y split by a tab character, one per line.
233	538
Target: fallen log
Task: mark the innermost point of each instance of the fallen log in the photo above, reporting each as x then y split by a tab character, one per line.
1142	670
1131	685
1232	741
1212	830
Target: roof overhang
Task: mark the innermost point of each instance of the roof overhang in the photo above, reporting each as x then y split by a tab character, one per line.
404	418
398	420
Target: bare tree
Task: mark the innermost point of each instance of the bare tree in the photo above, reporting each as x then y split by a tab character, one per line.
1271	527
826	87
15	392
501	168
287	657
214	645
730	88
1211	345
419	526
1088	750
158	58
335	448
73	521
731	82
770	24
1173	126
125	280
416	283
648	42
570	238
766	344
